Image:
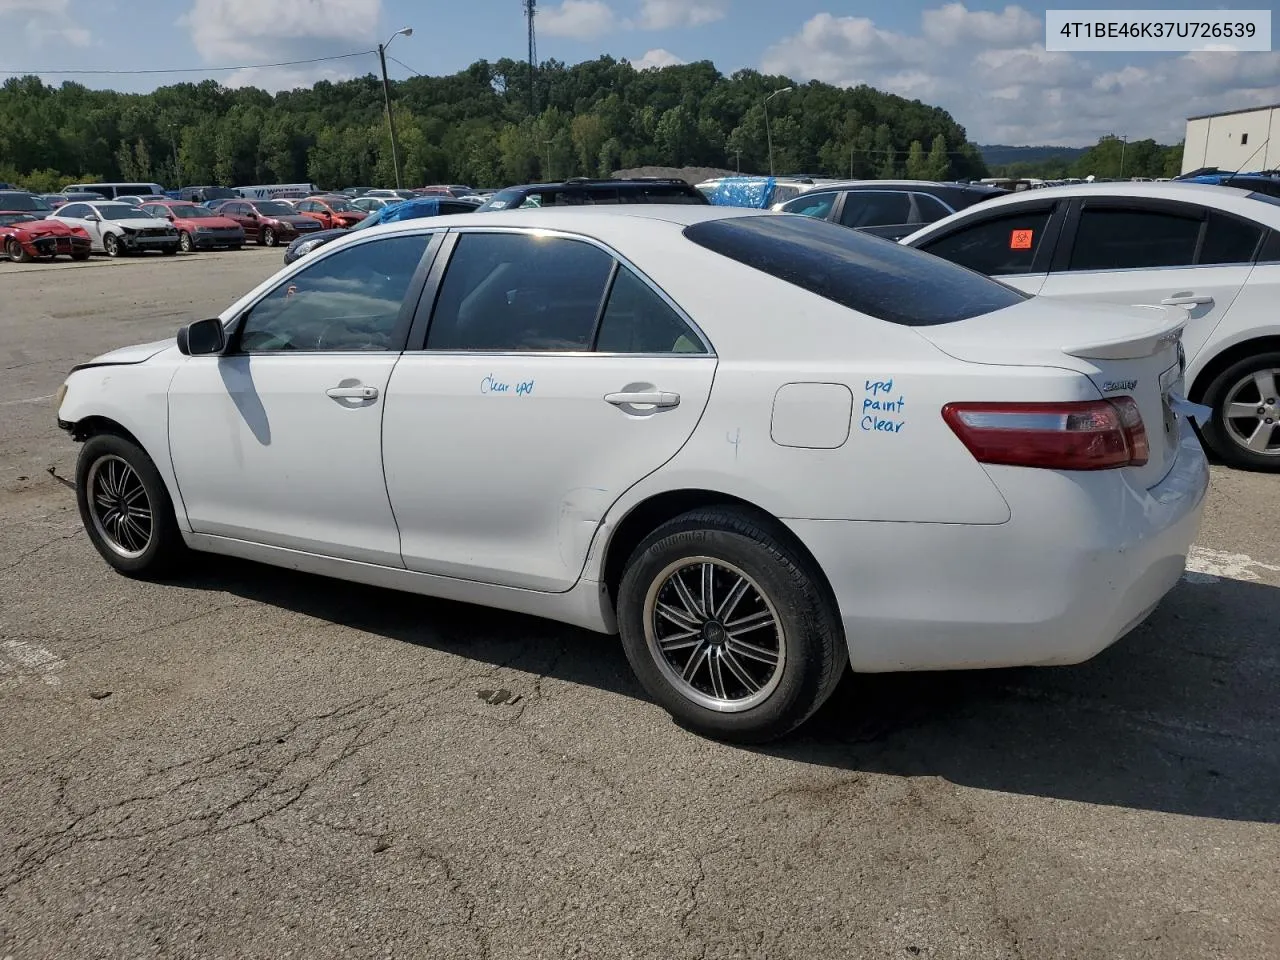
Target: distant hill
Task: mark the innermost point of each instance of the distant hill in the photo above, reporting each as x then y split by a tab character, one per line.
998	155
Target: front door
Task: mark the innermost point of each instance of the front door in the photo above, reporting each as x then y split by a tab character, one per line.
242	214
1141	251
534	406
279	441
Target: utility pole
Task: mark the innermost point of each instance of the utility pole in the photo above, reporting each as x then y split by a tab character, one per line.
386	95
768	134
548	143
852	148
1124	142
531	11
177	172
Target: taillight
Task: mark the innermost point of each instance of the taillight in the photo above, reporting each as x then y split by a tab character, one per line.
1088	435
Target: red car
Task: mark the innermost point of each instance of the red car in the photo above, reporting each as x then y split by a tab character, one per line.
25	237
198	227
269	222
334	213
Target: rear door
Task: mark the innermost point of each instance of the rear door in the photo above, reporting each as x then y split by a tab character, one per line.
242	214
550	379
1158	252
1015	245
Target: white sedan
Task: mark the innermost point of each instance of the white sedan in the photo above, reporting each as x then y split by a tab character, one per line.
1213	251
118	228
758	446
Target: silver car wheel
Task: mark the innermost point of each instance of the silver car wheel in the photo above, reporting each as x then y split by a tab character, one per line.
714	634
119	506
1251	413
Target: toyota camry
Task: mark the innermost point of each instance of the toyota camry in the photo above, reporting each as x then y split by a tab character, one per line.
760	447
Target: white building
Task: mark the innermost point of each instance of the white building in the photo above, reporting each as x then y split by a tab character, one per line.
1238	140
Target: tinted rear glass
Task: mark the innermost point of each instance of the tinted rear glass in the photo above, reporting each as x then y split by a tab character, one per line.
867	274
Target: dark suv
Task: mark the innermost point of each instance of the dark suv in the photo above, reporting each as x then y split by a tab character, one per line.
891	209
582	192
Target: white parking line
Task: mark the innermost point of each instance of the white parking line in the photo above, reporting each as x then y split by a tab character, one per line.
20	657
1211	566
13	403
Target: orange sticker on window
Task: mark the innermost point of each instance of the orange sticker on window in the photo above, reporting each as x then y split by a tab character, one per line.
1021	239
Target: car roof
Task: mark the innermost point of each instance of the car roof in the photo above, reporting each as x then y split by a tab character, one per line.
604	183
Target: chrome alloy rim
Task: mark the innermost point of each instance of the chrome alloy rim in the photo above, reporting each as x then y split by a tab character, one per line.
714	634
1252	414
119	506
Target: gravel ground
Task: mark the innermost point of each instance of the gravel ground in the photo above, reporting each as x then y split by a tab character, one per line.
256	763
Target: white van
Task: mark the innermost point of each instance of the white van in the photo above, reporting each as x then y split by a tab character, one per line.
112	191
272	191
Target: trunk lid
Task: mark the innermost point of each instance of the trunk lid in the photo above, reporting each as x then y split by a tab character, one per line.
1124	351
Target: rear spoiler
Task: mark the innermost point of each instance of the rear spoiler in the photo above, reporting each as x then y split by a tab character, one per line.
1130	347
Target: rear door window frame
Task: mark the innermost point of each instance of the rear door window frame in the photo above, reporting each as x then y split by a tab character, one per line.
1046	253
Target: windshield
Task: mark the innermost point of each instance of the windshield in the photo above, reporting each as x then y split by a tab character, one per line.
7	219
190	211
124	213
274	208
23	201
341	206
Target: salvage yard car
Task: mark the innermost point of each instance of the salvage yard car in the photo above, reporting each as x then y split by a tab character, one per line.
1213	251
597	416
24	237
269	222
199	228
117	228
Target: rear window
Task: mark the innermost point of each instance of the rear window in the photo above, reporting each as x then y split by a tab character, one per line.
861	272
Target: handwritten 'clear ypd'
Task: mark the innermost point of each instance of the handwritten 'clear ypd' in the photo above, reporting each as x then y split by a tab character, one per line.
877	404
491	384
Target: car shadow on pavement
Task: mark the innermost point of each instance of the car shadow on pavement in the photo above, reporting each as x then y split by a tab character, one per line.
1181	716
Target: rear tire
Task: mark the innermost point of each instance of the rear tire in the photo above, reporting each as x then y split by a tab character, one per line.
747	670
126	509
18	255
1248	388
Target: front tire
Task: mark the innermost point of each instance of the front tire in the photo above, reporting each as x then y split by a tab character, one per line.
729	626
111	244
185	243
16	253
1245	429
126	510
269	237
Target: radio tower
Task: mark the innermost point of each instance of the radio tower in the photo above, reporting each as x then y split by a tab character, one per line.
530	11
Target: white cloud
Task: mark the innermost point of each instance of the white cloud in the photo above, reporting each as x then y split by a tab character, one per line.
578	19
41	24
656	59
667	14
993	74
227	32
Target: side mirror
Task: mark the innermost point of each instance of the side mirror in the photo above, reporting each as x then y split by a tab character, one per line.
92	218
204	338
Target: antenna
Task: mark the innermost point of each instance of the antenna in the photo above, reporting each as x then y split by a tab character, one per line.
531	11
1261	146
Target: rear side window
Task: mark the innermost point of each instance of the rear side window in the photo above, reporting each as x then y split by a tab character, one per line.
931	208
505	292
873	276
637	320
813	205
1271	248
875	208
1228	240
996	246
1133	239
662	193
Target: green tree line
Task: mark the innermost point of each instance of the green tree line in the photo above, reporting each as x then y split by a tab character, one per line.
1109	158
475	127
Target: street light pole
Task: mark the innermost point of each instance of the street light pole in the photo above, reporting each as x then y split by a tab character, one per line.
767	132
1124	142
386	95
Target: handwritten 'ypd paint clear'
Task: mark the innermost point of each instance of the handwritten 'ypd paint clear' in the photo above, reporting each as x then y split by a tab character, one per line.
879	400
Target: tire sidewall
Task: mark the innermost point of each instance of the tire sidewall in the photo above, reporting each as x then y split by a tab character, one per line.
269	237
13	249
1216	434
111	244
798	693
165	536
185	243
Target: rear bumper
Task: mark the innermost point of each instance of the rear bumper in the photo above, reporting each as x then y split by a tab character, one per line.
1082	561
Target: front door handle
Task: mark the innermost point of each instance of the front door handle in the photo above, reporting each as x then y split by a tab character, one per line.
1186	301
353	393
643	399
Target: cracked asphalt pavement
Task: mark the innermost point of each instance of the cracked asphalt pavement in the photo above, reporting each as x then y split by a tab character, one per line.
255	763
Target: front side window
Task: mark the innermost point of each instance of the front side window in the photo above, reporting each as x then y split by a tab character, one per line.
997	246
348	301
638	320
875	208
509	292
189	211
812	205
74	211
1120	239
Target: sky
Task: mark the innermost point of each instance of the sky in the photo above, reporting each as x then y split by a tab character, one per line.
983	62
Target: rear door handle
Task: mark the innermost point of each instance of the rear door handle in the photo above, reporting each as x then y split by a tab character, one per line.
353	393
1187	301
646	399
